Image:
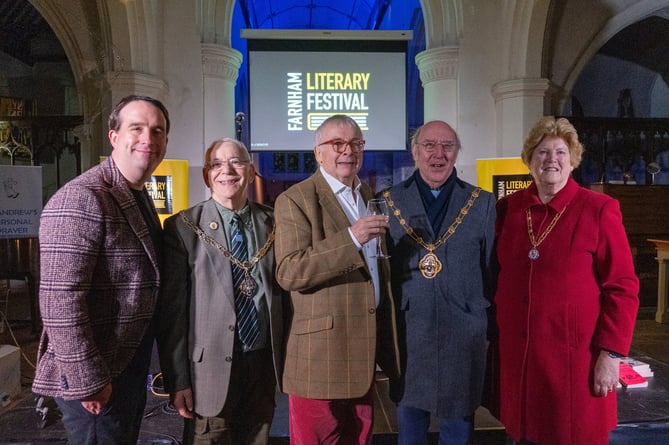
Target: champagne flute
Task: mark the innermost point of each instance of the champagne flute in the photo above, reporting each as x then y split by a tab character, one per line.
378	207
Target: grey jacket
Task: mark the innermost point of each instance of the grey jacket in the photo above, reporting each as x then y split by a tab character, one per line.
196	316
442	321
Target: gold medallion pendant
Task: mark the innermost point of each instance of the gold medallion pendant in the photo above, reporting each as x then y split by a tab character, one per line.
533	254
248	286
429	265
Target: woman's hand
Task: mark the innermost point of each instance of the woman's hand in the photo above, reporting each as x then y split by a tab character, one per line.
606	371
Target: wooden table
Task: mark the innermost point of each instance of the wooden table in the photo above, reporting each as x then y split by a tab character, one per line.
640	225
651	404
662	247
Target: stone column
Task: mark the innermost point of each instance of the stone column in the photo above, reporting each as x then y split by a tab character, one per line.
220	68
438	69
124	83
519	103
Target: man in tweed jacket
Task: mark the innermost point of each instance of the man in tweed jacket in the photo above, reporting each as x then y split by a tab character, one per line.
343	313
99	236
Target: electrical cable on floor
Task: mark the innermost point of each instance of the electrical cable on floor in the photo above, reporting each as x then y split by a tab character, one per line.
153	411
168	408
16	342
153	386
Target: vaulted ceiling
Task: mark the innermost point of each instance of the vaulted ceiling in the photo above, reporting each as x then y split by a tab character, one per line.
25	35
20	26
645	43
314	14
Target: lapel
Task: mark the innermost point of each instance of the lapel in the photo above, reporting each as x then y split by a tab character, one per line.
263	225
458	200
412	209
210	223
329	203
120	191
414	212
330	207
366	192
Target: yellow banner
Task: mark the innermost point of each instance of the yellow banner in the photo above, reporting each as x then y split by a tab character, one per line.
168	187
502	176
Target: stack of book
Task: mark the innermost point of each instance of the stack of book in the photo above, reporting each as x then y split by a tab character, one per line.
639	366
634	373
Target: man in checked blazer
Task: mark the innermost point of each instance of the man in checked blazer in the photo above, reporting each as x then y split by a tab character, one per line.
342	309
223	387
99	253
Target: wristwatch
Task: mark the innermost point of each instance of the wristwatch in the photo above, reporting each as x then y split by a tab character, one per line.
613	354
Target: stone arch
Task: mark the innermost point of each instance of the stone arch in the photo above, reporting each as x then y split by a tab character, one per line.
113	48
625	17
78	28
214	18
443	22
597	26
524	29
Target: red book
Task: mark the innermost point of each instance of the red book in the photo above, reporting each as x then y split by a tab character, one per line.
630	378
639	366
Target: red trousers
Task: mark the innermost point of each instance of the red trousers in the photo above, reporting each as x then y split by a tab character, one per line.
331	422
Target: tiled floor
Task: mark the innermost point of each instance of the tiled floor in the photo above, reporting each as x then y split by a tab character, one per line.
19	420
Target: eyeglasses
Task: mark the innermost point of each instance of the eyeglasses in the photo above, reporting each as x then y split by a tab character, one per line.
339	145
431	146
236	163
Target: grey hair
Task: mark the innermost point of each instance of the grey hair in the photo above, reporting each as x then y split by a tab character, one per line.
339	119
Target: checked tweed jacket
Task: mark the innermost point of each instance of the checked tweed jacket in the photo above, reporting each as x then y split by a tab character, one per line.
337	334
99	283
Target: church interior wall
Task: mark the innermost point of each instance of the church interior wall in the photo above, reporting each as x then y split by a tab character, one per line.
659	98
183	74
479	69
615	75
107	41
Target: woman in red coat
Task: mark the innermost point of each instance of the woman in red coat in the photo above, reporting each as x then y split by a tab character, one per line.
566	301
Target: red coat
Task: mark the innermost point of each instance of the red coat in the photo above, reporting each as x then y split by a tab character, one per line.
557	312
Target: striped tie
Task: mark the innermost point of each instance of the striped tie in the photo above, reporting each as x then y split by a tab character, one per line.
247	318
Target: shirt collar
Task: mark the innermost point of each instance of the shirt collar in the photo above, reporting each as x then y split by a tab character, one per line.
426	187
227	214
337	186
559	201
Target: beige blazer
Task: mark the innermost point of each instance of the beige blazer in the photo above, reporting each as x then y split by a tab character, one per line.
336	334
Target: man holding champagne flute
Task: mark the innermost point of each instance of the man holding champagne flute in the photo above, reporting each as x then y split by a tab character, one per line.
343	320
378	206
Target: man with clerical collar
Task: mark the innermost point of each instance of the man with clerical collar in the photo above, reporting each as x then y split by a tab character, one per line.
342	323
220	313
440	244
